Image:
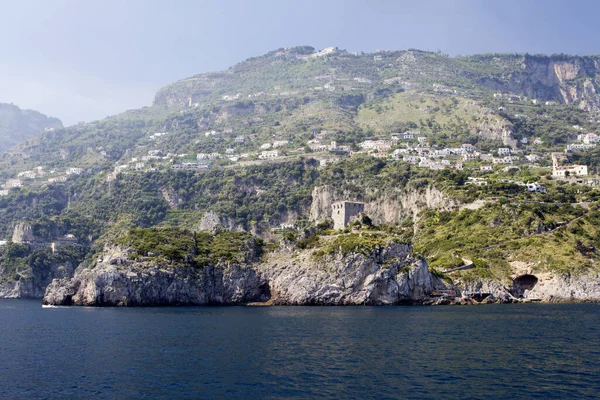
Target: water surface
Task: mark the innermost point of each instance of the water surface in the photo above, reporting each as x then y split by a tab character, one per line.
471	352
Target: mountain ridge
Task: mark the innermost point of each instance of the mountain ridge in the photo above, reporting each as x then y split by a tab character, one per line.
18	125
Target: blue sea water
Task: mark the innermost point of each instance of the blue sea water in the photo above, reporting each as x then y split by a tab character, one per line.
449	352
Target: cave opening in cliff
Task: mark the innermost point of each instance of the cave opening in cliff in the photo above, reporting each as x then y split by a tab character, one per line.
522	283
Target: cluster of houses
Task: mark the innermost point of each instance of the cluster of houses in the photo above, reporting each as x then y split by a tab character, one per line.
316	145
513	97
439	158
35	174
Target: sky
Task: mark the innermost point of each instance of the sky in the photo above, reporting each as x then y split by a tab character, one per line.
82	60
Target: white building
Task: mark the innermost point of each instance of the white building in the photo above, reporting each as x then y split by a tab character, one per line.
532	158
57	179
486	168
503	160
441	153
476	181
74	171
469	148
13	183
579	147
265	146
411	159
569	170
27	174
503	151
157	135
269	154
156	153
280	143
536	187
376	145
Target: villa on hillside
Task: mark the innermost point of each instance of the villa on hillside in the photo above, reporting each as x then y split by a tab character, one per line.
536	187
562	171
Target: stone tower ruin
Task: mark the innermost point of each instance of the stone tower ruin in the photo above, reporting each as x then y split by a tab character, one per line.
344	211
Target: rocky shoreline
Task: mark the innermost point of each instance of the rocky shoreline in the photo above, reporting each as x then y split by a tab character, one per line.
385	276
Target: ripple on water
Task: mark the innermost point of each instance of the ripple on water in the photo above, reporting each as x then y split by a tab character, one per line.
506	351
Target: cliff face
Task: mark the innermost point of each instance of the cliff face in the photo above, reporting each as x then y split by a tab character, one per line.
568	80
527	284
385	276
385	209
553	287
116	280
32	285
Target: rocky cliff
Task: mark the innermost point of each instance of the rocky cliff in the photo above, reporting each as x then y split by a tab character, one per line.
115	279
566	79
385	276
385	209
527	284
32	284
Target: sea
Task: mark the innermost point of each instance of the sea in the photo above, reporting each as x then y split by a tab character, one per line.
512	351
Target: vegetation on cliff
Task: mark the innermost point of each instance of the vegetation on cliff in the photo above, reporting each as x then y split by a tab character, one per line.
198	249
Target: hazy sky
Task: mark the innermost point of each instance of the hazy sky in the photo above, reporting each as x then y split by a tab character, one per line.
86	59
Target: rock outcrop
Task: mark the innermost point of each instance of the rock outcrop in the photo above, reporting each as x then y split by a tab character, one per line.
23	233
565	287
385	209
386	276
531	286
117	280
566	79
32	284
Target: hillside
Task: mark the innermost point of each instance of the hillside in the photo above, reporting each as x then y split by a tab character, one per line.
16	125
448	154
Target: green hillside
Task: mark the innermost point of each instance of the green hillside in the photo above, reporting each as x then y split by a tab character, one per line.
199	149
